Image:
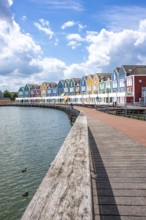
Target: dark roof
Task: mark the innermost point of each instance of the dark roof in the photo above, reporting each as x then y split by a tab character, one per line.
77	80
33	86
118	69
104	76
135	69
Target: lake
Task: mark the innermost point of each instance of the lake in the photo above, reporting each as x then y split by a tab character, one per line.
29	138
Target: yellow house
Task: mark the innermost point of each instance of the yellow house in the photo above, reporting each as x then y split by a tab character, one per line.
43	88
90	85
96	84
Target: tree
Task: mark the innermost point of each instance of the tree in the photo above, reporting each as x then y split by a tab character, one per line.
7	94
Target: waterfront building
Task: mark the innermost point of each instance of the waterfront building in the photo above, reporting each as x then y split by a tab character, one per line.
143	96
1	95
135	81
43	88
83	85
74	86
90	84
66	87
96	83
52	89
32	90
60	87
21	91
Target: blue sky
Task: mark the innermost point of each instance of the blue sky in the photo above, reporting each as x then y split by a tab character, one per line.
45	40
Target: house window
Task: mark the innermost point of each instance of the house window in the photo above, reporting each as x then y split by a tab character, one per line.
140	81
129	81
71	89
122	84
114	84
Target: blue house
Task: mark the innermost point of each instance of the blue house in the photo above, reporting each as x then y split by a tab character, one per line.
52	89
115	80
21	92
83	85
60	87
1	95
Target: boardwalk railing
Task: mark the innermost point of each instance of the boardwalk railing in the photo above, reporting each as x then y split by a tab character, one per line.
130	112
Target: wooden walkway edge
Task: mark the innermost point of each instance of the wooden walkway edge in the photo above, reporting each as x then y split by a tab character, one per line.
65	192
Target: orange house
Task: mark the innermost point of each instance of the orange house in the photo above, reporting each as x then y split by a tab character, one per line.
43	88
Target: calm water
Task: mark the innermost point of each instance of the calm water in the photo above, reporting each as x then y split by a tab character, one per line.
31	138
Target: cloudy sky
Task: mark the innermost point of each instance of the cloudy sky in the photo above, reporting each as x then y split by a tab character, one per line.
49	40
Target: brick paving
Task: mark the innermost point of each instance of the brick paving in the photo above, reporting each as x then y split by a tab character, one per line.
118	166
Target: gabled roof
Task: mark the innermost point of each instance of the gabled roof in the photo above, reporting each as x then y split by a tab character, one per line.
47	84
104	76
77	80
33	86
135	69
53	84
117	69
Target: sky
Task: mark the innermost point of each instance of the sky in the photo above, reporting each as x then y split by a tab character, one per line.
49	40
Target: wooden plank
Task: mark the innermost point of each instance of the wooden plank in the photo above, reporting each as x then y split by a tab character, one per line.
65	192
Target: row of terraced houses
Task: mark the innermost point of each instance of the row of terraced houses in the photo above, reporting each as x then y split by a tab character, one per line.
127	84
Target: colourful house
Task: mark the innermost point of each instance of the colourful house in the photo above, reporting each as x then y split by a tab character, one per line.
43	88
21	92
115	80
103	86
135	81
96	84
83	85
90	84
52	89
66	87
74	86
60	87
32	90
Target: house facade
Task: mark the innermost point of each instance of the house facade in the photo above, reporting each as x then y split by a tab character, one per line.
32	90
21	92
67	87
60	87
52	89
83	85
43	88
90	84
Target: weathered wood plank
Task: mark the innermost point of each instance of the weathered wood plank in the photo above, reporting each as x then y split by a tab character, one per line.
65	192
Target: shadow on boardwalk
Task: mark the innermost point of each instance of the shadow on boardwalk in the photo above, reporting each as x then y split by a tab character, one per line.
104	204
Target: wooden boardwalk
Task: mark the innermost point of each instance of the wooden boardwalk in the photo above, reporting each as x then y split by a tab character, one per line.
118	166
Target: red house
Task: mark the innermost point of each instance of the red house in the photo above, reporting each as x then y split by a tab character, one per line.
136	79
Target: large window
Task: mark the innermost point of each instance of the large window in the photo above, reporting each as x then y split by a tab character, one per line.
129	81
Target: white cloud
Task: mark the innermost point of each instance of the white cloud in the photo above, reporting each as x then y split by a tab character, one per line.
44	26
73	44
76	37
73	5
72	24
24	18
118	18
68	24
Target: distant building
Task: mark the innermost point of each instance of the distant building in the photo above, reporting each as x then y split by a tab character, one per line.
1	95
21	92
